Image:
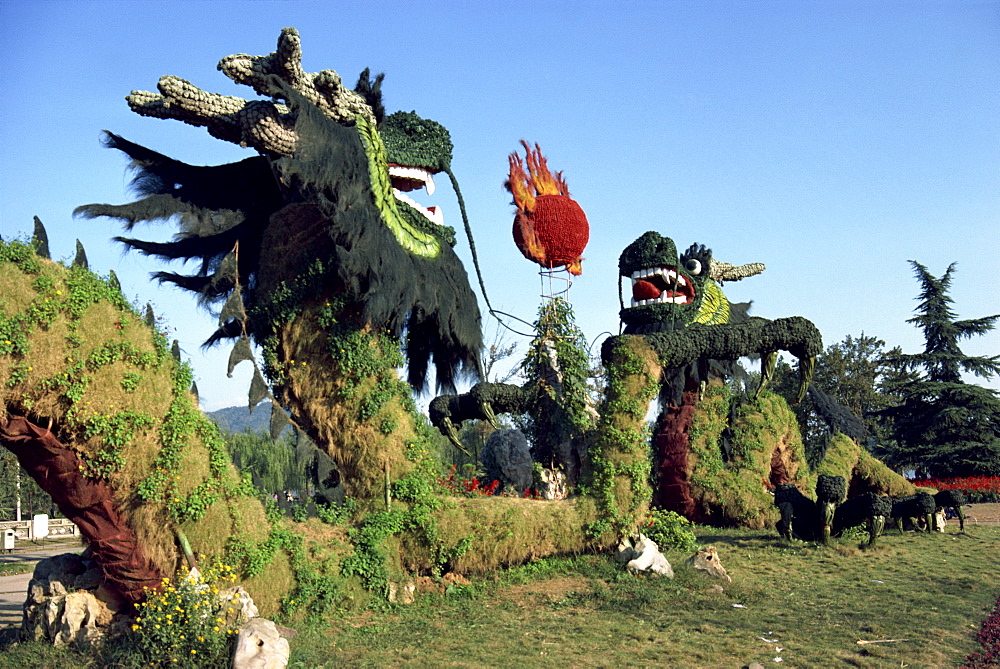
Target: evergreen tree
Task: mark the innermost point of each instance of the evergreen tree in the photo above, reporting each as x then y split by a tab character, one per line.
943	424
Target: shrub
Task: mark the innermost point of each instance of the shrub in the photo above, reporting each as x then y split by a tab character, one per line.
670	530
184	624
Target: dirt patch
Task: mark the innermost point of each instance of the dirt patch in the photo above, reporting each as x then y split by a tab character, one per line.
544	592
986	514
451	579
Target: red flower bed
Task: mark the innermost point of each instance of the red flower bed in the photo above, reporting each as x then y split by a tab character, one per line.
467	487
473	486
977	488
989	638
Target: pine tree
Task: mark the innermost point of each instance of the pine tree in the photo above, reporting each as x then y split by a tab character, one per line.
943	424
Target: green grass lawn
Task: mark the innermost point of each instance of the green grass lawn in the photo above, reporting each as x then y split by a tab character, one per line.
813	602
929	592
13	568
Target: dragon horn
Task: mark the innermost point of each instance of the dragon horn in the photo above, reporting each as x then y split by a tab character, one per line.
723	271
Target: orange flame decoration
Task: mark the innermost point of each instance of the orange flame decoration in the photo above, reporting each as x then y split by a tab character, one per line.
549	227
541	181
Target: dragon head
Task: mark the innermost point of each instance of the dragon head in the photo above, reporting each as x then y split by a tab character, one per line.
671	292
416	149
665	288
327	192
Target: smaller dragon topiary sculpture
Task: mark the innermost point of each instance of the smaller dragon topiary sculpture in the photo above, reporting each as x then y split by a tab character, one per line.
678	311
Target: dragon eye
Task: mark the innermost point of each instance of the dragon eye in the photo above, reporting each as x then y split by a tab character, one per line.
693	265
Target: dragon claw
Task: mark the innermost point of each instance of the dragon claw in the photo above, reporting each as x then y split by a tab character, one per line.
450	431
768	362
487	410
807	367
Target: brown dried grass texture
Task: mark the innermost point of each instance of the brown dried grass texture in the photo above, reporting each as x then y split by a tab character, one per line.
50	354
318	398
505	531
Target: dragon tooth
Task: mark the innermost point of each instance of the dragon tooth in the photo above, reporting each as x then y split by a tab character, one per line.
414	174
433	214
436	215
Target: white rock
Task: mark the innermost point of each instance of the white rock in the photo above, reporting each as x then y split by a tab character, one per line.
259	645
648	557
243	609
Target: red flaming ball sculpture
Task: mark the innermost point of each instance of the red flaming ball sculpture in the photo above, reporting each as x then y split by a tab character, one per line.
550	228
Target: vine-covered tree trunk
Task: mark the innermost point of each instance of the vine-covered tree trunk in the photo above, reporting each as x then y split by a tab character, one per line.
87	502
673	490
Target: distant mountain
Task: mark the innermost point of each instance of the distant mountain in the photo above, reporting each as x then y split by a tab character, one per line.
236	419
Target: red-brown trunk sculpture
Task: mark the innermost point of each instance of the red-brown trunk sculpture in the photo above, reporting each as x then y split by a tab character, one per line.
673	491
87	502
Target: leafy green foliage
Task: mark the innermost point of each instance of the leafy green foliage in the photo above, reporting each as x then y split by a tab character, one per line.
619	454
671	531
562	408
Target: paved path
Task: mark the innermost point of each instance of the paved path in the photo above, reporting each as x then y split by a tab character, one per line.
13	589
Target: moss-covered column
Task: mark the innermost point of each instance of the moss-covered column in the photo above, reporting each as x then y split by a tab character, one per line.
338	378
620	452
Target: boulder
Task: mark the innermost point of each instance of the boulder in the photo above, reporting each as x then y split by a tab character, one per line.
551	484
506	457
402	593
239	605
260	645
64	603
707	559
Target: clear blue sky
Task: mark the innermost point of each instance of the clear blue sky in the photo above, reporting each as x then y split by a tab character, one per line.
833	141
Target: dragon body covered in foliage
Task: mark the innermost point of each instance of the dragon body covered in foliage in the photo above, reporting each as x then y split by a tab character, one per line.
681	323
313	250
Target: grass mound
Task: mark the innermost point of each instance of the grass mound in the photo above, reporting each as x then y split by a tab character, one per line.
76	356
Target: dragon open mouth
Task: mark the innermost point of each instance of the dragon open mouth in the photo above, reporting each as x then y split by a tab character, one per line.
405	179
660	285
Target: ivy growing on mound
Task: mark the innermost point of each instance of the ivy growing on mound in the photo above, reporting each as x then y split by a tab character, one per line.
76	356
